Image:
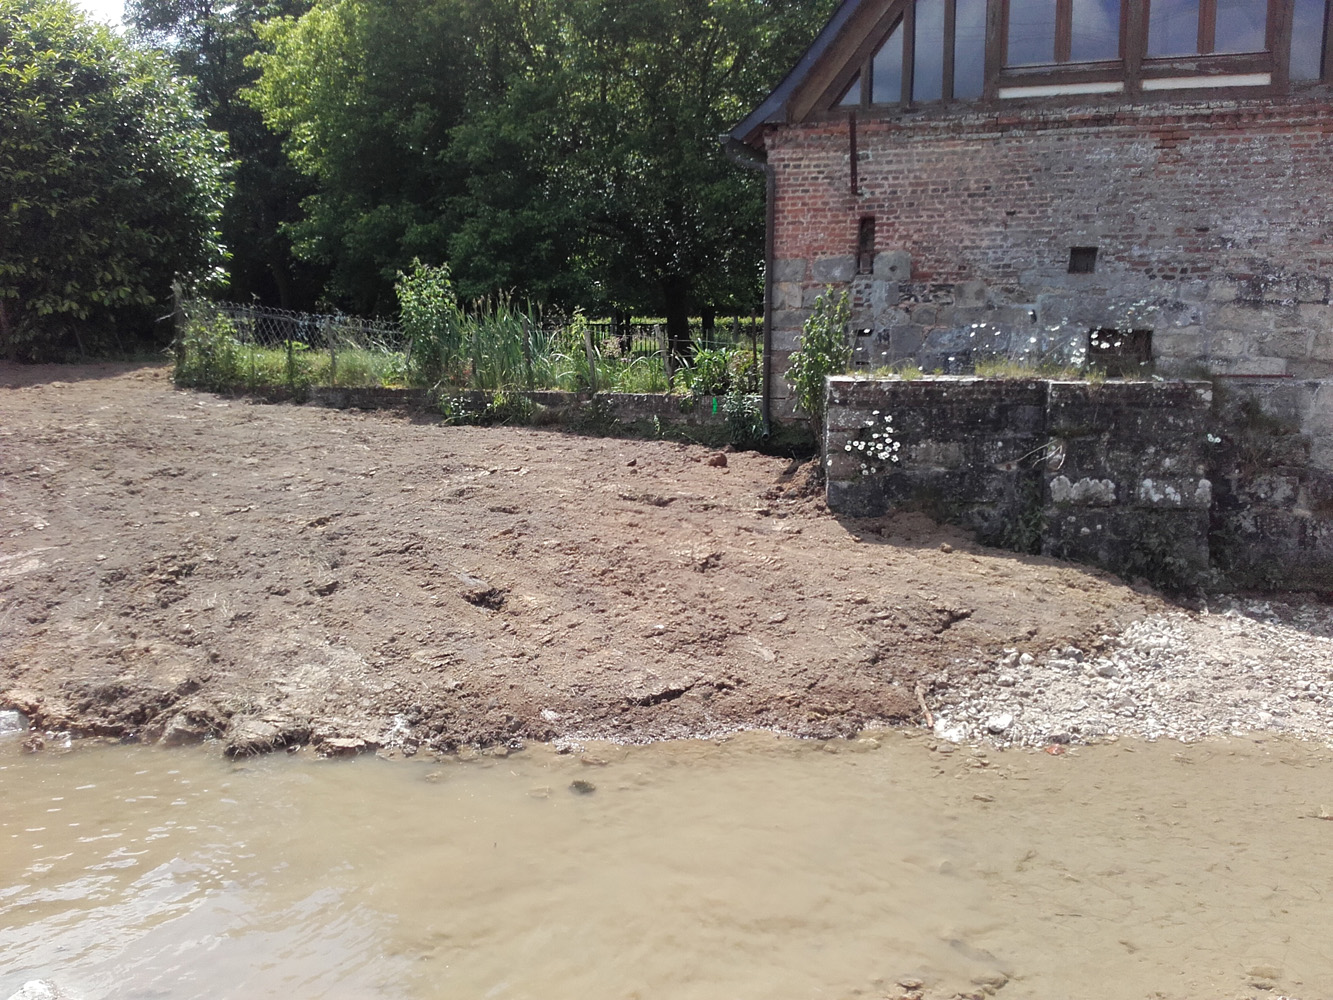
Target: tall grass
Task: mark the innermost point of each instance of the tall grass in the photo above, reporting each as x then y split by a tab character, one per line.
496	344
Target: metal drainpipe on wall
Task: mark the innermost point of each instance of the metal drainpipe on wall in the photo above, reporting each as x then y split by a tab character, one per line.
744	156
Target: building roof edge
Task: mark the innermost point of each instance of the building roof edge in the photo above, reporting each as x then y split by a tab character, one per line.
773	109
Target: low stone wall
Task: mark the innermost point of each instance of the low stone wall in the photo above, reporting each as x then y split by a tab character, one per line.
620	407
1152	479
372	398
1272	518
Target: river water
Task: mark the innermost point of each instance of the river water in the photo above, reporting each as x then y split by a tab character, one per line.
756	867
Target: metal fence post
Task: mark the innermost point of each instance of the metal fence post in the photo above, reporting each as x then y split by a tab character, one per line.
592	357
333	351
665	350
527	353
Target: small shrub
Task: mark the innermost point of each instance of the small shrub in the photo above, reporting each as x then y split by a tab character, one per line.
824	350
212	357
744	418
747	374
711	373
433	324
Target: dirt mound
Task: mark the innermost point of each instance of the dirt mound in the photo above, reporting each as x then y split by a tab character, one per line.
176	564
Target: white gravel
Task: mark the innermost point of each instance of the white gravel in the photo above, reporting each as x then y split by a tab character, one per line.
1243	666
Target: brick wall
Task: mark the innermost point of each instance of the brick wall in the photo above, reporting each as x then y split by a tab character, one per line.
1213	223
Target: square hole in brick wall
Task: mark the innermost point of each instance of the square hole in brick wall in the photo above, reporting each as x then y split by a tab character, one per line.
1082	260
1119	352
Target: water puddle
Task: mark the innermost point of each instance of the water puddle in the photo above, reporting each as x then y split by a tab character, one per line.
758	868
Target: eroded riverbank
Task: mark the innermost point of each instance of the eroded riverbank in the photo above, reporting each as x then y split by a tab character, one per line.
756	867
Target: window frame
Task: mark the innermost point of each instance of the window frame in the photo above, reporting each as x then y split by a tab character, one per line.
1134	75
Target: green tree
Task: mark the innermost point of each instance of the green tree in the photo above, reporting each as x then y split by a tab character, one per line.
366	93
566	149
112	184
640	92
209	41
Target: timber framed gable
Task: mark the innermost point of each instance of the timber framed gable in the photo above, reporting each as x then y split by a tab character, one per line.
887	57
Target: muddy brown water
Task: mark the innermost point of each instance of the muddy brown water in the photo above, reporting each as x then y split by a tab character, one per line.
754	868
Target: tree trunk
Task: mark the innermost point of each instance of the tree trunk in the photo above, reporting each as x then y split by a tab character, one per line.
709	326
283	281
10	347
675	290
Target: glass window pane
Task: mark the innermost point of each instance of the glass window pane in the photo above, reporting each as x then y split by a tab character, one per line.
1173	27
1031	32
853	95
1096	33
886	71
928	72
1241	26
969	48
1307	39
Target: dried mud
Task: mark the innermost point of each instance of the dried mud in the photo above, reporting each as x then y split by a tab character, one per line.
176	565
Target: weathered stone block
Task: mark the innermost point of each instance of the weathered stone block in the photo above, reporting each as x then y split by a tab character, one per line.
971	293
834	270
893	265
1312	289
788	295
790	269
1167	548
1246	366
1085	491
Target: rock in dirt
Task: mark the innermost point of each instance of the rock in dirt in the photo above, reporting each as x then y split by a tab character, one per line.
12	721
477	591
998	724
343	747
186	727
718	461
581	787
252	736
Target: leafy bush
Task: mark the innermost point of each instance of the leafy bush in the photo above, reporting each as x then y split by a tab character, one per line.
745	418
711	372
825	350
747	374
212	357
433	324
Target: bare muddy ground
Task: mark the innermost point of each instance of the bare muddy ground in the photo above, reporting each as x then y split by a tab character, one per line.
176	564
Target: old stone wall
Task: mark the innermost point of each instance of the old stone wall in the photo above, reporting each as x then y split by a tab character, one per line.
623	408
1211	224
1272	517
1173	481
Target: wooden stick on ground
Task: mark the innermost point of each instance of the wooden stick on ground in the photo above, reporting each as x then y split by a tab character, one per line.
921	700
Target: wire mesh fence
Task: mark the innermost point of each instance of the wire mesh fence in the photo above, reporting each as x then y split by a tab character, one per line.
500	348
232	344
270	327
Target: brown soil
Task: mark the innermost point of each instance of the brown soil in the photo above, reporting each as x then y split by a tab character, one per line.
176	564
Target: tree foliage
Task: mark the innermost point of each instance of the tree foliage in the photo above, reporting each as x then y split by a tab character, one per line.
209	42
112	183
563	148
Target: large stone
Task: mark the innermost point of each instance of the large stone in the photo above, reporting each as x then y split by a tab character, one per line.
834	270
893	265
791	269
